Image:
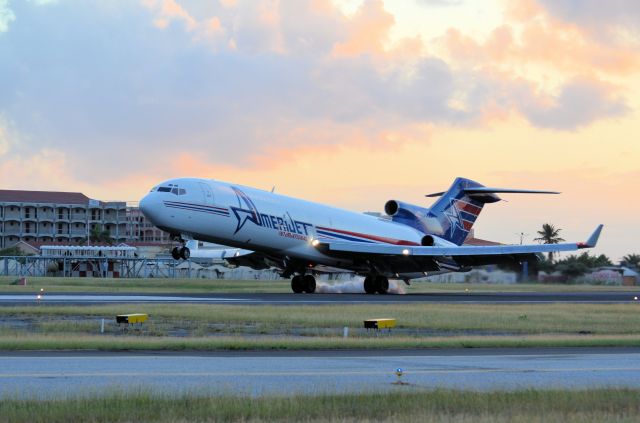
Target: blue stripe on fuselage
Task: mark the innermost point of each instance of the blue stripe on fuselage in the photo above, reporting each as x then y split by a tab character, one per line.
200	206
198	209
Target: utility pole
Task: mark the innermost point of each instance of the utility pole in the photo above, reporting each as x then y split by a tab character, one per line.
525	264
522	235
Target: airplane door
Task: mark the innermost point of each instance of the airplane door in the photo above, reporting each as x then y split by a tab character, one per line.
207	193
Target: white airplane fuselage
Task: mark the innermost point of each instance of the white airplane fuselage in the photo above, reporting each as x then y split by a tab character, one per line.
301	237
244	217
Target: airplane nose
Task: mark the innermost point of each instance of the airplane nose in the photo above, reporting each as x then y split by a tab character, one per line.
144	204
148	207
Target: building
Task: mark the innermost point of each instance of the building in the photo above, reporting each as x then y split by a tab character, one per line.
49	217
139	229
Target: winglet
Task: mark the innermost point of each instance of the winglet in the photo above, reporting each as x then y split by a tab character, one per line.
593	239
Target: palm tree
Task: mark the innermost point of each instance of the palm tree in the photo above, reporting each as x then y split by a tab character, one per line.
549	235
99	235
631	260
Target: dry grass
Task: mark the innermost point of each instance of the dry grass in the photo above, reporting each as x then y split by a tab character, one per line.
150	285
602	405
491	318
149	343
155	285
210	327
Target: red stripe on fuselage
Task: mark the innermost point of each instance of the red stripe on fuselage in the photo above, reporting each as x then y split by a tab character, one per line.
467	225
371	237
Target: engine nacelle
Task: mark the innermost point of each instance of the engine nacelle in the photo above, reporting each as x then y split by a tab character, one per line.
396	208
408	214
434	241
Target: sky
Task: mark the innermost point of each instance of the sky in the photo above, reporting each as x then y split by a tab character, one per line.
350	103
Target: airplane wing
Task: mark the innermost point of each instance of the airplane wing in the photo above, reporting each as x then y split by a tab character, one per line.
252	259
259	261
463	254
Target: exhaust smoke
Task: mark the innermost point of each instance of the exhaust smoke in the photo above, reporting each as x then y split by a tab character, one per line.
355	286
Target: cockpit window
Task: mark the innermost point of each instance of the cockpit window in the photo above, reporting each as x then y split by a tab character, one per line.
173	189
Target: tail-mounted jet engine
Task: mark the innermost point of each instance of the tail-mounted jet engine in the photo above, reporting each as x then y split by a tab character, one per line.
434	241
408	214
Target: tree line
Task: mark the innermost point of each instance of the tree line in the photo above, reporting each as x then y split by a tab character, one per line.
577	264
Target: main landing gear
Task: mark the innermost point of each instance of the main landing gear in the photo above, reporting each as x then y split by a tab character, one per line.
303	283
180	253
376	283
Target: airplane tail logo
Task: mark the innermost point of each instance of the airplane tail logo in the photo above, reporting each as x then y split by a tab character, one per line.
459	207
457	210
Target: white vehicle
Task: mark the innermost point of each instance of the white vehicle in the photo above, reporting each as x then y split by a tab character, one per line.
301	237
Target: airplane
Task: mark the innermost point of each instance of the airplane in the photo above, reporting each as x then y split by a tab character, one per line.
302	238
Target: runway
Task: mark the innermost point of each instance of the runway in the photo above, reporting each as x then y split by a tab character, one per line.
292	299
49	375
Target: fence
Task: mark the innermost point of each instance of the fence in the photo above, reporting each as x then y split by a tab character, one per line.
108	267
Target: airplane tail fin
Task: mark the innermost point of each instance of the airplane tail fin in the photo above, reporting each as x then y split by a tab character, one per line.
458	208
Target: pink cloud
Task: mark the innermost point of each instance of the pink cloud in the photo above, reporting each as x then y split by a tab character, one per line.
168	10
560	46
368	31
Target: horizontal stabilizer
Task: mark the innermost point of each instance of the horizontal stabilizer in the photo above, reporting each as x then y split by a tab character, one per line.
488	190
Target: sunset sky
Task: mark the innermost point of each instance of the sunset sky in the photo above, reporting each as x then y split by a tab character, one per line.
350	103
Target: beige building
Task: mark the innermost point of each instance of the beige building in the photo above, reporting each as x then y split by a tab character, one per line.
139	229
43	217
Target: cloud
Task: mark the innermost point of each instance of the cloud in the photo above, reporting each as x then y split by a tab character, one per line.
597	15
553	73
368	31
579	103
441	2
4	141
130	94
564	49
9	137
6	15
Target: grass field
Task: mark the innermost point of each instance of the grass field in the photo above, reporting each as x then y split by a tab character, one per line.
209	327
156	285
263	343
151	285
555	318
602	405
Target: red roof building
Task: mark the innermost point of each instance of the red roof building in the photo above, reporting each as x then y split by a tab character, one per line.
42	197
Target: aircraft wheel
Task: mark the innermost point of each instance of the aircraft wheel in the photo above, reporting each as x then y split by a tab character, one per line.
185	253
309	283
175	253
297	284
369	285
382	284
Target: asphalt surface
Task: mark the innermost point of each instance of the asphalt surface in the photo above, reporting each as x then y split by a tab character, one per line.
292	299
50	375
